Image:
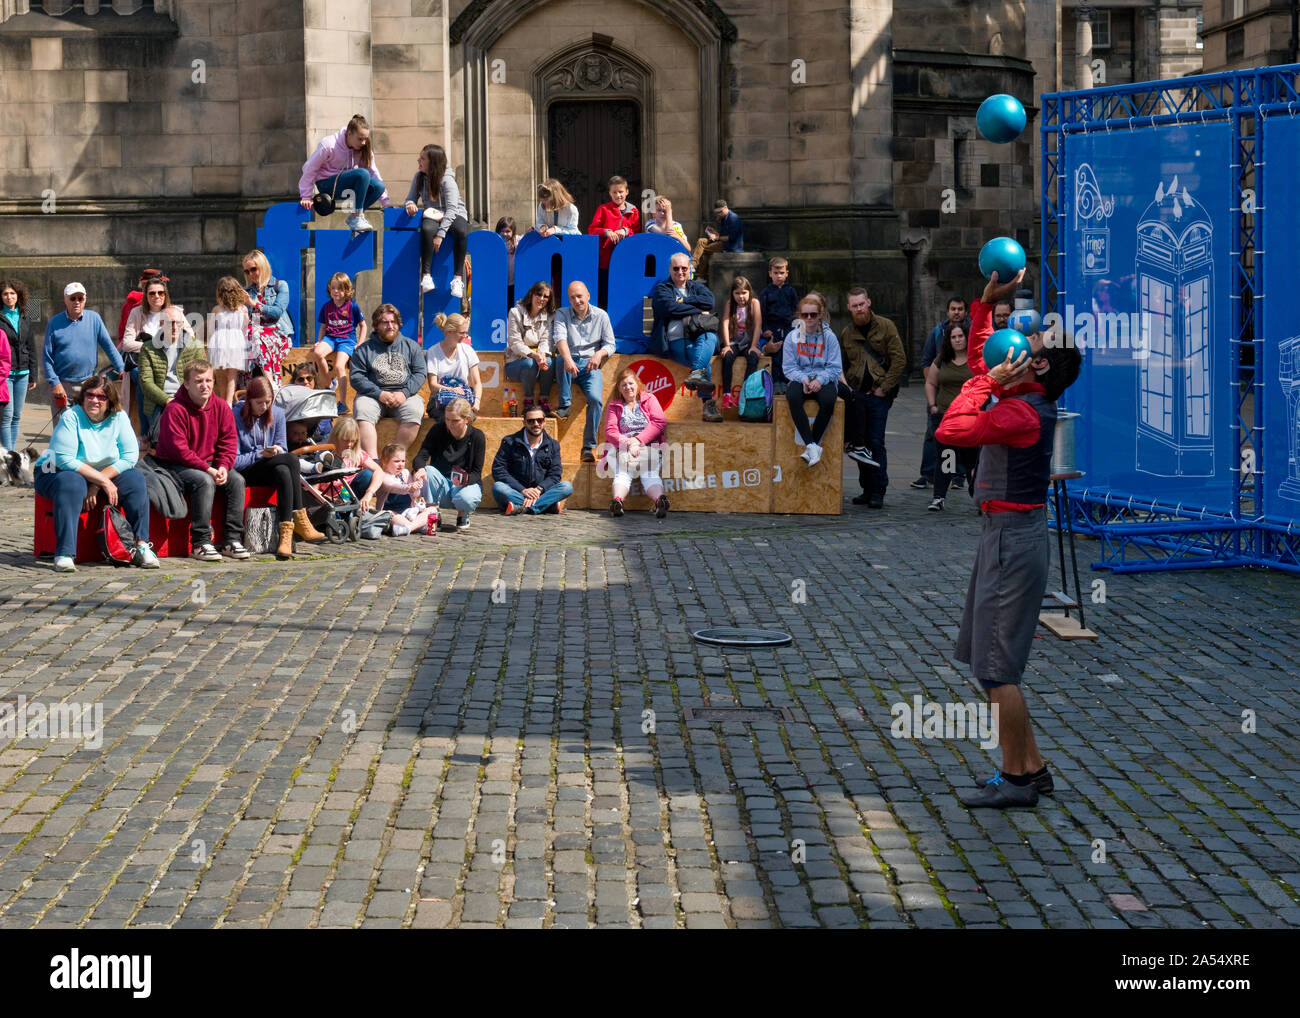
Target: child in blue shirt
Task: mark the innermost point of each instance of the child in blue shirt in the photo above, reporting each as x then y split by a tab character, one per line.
778	301
342	330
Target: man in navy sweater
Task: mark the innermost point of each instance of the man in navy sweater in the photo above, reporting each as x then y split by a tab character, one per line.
70	354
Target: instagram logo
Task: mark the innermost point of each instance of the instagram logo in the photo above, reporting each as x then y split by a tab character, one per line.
751	477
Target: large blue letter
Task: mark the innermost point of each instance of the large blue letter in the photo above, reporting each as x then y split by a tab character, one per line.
579	258
401	278
487	322
282	239
339	251
637	264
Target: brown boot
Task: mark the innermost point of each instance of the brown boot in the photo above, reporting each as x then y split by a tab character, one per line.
302	527
711	414
285	549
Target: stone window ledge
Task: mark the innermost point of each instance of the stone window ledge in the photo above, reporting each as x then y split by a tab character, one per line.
77	24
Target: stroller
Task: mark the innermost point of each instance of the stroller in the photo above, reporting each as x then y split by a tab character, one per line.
336	509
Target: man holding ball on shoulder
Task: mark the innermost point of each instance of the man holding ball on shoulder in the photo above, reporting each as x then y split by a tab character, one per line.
1011	564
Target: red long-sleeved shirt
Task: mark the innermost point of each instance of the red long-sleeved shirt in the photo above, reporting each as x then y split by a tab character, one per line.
610	217
1010	421
197	437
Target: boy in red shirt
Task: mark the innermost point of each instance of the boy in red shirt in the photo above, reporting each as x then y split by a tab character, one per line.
613	221
1011	565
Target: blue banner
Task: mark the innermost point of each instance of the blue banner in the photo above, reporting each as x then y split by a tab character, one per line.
1147	246
1278	483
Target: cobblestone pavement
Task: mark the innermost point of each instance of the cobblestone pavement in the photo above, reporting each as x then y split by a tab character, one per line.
489	729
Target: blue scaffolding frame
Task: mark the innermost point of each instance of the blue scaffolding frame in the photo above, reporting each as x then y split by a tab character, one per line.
1139	533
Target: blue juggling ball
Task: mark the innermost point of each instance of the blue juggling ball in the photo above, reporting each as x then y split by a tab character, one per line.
1002	340
1001	118
1003	256
1025	320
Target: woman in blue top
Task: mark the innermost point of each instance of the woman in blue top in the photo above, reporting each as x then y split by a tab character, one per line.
270	333
93	452
18	330
263	459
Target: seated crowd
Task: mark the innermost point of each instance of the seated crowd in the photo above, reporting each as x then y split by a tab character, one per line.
195	426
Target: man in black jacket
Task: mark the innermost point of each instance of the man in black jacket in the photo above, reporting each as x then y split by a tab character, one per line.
675	300
526	470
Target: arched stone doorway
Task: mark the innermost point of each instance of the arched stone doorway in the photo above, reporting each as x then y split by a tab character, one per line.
665	56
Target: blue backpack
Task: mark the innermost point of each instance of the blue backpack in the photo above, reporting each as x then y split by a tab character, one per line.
756	397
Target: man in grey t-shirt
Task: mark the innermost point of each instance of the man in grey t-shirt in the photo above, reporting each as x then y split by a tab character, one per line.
583	339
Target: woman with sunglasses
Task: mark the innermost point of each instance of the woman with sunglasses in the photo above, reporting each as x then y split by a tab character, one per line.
528	345
91	461
271	333
811	361
159	327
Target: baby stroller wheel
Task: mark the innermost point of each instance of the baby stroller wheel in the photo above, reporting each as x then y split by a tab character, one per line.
354	528
336	530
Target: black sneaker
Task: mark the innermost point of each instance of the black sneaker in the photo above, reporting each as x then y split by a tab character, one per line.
862	455
1000	793
876	502
1043	782
862	499
588	456
661	506
616	507
920	483
959	482
561	412
233	549
936	505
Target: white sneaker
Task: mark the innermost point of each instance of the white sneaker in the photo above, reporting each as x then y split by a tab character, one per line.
457	286
144	558
358	223
426	283
64	564
806	455
816	454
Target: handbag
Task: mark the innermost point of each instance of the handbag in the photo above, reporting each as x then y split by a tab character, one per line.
697	324
116	538
260	532
323	204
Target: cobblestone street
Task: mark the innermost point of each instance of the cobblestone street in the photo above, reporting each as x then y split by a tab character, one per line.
490	729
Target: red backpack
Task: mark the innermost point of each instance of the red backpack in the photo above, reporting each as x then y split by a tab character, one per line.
115	537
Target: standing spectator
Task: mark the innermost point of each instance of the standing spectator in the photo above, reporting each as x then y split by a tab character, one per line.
873	364
93	451
130	358
169	348
17	330
527	471
197	442
342	327
507	231
387	374
434	185
271	333
944	379
70	355
556	211
728	235
264	459
812	365
662	221
451	461
343	163
676	302
634	428
528	345
584	339
778	301
956	313
135	298
228	324
452	366
742	322
614	221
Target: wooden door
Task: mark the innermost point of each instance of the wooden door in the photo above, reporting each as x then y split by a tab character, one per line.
589	141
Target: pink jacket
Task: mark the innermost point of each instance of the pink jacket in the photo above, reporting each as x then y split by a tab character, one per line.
6	362
332	156
654	431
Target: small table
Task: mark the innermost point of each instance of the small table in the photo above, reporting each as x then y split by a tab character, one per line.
1064	527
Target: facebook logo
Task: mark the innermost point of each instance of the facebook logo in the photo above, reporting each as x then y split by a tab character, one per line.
730	479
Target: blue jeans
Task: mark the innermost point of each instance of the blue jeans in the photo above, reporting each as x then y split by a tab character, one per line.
591	383
557	492
439	491
67	490
875	480
525	371
11	418
364	187
696	354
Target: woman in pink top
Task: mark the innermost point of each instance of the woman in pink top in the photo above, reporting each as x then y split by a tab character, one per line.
345	162
634	431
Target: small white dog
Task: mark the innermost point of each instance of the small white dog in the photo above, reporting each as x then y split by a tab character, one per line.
16	466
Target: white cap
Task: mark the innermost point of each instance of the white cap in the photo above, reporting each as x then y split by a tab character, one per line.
72	288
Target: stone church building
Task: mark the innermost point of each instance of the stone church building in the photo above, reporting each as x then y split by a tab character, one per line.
155	132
